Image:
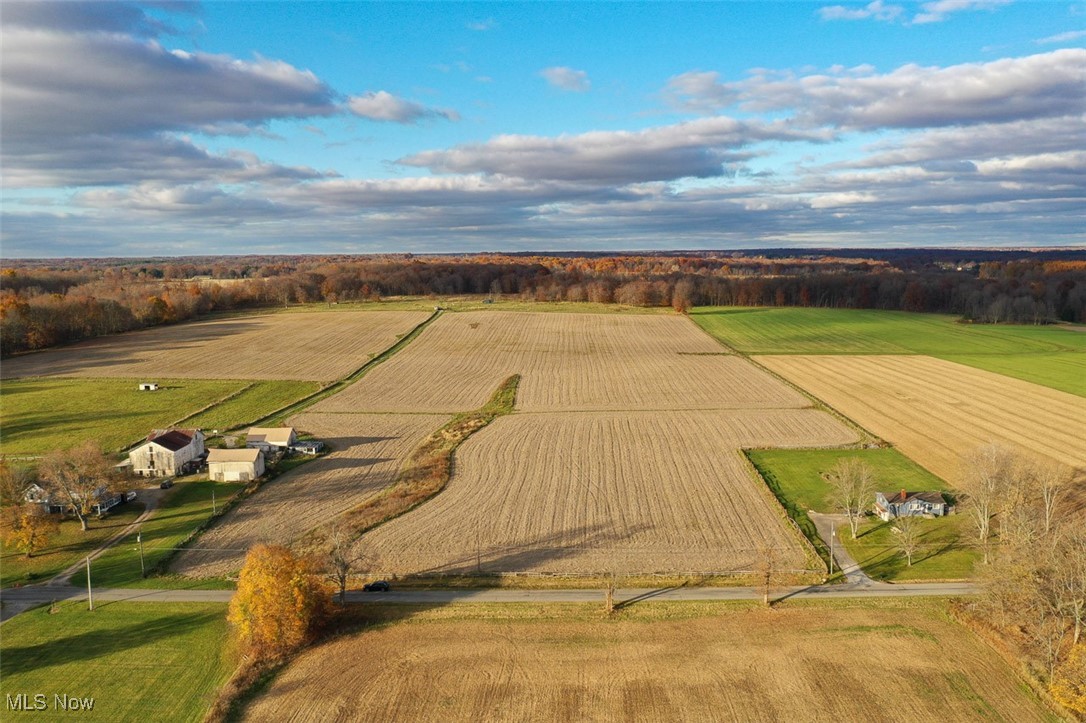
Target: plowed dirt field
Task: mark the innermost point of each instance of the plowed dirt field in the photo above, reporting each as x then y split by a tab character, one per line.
317	346
369	450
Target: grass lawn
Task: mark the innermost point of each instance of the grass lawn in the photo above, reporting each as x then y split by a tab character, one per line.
41	415
253	403
945	552
139	661
64	549
797	473
1049	355
186	508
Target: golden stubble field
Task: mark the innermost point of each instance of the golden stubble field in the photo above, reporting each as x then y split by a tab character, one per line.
591	492
568	362
312	346
813	664
369	450
937	411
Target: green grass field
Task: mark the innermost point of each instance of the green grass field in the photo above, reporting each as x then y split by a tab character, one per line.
186	508
945	552
139	661
41	415
1053	356
796	477
65	549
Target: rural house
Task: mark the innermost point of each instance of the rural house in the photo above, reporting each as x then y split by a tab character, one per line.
235	465
889	505
104	500
271	439
166	452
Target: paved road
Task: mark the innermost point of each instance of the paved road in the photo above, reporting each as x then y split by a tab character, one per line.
22	598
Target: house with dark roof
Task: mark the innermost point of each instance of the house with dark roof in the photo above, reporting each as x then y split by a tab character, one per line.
166	452
889	505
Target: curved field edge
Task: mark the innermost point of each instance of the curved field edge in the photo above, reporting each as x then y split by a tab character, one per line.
429	467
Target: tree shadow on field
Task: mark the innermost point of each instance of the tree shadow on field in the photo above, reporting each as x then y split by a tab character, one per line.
96	643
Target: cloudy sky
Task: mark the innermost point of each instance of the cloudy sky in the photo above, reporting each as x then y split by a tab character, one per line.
173	128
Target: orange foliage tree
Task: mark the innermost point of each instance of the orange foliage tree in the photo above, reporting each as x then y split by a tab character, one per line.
28	528
280	603
1069	683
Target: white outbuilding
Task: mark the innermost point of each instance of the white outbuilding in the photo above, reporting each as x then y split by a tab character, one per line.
235	465
271	439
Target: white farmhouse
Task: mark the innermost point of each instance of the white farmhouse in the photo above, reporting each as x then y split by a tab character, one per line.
166	452
235	465
271	439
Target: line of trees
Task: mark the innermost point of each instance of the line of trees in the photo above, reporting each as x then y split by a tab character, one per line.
43	306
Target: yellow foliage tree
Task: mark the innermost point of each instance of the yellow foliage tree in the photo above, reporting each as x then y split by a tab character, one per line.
280	603
29	528
1069	683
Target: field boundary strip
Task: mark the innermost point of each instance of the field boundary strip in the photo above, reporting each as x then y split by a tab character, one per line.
341	384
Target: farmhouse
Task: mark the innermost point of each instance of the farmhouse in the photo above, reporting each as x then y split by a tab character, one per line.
889	505
271	439
235	465
166	452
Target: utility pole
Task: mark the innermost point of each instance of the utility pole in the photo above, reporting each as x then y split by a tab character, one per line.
214	507
833	536
143	568
90	595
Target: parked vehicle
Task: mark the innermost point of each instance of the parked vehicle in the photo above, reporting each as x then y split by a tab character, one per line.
379	586
167	484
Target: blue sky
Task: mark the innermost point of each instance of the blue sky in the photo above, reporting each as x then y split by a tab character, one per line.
182	128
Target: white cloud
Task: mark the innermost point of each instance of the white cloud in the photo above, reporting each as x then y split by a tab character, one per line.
565	78
936	12
1068	37
383	106
877	10
483	25
698	148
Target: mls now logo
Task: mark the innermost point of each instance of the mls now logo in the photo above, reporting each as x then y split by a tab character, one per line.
40	701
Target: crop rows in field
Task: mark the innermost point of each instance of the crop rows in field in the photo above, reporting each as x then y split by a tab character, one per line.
568	362
368	453
815	663
937	411
318	346
608	492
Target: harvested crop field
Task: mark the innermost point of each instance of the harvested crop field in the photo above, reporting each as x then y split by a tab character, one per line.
608	492
814	663
317	346
568	362
936	411
369	450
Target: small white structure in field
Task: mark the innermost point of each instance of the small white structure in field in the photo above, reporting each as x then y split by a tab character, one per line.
235	465
148	387
166	452
271	439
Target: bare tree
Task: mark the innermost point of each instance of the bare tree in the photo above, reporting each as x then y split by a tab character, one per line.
344	555
853	486
14	480
986	478
907	539
1051	481
1069	574
79	477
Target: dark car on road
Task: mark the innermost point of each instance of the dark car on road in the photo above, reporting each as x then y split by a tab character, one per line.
379	586
166	485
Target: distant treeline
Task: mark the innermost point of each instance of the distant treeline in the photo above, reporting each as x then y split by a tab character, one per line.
45	305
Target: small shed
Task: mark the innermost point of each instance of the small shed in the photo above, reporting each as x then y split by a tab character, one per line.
235	465
148	386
